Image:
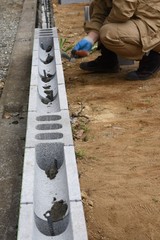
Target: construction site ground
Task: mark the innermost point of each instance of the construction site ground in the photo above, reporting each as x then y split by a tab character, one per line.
117	140
115	127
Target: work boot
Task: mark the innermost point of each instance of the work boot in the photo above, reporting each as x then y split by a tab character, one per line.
148	66
106	63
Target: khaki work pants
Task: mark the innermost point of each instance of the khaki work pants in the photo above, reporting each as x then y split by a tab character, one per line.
123	39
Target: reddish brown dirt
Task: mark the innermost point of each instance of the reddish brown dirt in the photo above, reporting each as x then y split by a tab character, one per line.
117	141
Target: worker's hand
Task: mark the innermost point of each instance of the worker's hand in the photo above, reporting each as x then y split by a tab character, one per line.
83	47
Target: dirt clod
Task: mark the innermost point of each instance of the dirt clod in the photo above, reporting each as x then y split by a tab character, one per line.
58	210
52	171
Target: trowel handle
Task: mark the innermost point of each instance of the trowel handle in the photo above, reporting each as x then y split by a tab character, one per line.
79	53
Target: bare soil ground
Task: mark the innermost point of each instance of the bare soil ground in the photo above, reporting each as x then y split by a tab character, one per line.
117	141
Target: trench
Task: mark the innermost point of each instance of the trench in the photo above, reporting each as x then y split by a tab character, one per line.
51	198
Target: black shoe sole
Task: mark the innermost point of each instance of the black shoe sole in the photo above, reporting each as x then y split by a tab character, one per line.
99	70
134	76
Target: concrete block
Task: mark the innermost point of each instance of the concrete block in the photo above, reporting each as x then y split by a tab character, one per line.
46	70
66	235
36	105
54	32
48	130
46	42
32	99
78	221
50	107
50	173
36	44
35	58
46	53
28	177
72	174
34	76
62	97
57	57
56	43
73	227
60	75
36	33
26	222
67	131
36	136
49	187
47	91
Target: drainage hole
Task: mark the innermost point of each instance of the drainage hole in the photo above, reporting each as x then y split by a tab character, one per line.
48	118
48	126
44	136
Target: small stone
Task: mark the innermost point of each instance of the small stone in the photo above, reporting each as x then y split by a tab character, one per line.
1	85
84	195
7	115
90	203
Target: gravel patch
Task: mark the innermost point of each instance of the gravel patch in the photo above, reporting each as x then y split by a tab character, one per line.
10	13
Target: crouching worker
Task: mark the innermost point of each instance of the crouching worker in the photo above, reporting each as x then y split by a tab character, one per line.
128	28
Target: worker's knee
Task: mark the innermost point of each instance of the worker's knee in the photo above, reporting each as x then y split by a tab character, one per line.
110	37
122	39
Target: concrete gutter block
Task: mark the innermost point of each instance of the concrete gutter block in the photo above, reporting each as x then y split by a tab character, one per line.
67	131
56	43
35	58
48	189
72	174
51	107
49	68
28	176
30	133
36	44
36	33
46	88
60	75
57	57
62	97
25	226
67	235
78	221
54	31
49	144
44	131
32	99
43	54
34	76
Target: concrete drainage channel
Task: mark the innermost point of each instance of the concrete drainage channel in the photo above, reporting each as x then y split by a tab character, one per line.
50	206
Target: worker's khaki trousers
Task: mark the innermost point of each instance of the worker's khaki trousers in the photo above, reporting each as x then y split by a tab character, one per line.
123	39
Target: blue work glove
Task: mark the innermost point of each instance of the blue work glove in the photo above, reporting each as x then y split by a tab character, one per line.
84	45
